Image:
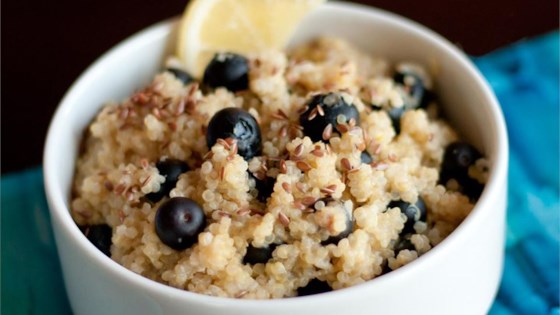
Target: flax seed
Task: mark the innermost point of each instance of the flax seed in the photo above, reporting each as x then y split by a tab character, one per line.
303	166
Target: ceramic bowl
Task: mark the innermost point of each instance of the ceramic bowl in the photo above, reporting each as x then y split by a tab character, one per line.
459	276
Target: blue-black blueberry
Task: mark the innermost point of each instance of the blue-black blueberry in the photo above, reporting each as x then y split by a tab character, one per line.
237	124
325	109
171	169
178	222
227	70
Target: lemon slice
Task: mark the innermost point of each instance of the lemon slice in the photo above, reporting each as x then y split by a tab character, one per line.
240	26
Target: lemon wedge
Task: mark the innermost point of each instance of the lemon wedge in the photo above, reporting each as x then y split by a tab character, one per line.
240	26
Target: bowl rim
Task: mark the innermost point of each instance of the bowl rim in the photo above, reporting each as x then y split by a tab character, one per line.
60	212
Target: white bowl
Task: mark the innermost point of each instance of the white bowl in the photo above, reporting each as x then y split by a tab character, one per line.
459	276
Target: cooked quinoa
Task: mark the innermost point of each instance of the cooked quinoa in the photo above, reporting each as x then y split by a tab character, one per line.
320	190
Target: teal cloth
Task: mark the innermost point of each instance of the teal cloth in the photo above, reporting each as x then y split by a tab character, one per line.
525	79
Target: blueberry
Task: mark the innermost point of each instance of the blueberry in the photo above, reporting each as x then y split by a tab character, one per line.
404	243
366	157
265	187
395	114
238	124
457	159
471	188
414	212
414	85
314	121
178	222
227	70
181	75
100	236
314	286
258	255
171	169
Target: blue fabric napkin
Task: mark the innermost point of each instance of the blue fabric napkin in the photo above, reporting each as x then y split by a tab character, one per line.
524	76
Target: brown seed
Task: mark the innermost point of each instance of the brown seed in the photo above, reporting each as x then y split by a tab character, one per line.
108	185
156	112
283	131
256	211
165	145
172	125
120	189
295	131
277	116
376	148
287	187
223	213
145	181
313	114
342	128
230	141
317	152
283	167
302	110
243	212
308	200
144	163
259	175
329	190
346	164
121	216
299	150
284	220
299	205
208	155
282	113
193	88
327	132
241	294
180	107
320	110
303	166
223	143
300	186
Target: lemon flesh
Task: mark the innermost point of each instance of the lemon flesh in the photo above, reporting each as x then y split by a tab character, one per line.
240	26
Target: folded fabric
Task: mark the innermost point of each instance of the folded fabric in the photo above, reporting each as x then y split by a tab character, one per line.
524	76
